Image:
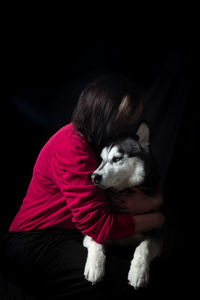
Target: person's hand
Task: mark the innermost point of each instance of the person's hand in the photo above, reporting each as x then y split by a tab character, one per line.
147	222
135	203
143	208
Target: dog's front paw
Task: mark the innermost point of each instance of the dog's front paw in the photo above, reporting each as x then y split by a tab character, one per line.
139	274
95	268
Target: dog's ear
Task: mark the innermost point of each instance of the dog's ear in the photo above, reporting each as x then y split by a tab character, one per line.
143	134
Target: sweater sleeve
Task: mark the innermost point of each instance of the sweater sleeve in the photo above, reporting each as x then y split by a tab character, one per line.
72	171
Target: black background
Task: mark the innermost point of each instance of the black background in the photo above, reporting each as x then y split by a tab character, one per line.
44	71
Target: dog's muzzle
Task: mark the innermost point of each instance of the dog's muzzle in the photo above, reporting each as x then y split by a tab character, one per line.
96	178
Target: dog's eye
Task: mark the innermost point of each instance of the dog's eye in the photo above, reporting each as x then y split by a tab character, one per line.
116	158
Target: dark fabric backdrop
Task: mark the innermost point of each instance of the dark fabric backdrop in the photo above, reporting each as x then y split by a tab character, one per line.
42	90
41	86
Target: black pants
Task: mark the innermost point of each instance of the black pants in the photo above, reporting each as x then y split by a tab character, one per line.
50	264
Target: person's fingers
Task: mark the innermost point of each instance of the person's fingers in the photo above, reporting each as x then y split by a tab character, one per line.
138	203
117	202
135	189
121	195
118	206
148	221
158	200
120	210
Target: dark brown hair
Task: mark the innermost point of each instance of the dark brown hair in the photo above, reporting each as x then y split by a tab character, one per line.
101	105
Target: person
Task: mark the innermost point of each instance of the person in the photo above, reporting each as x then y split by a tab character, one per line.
44	243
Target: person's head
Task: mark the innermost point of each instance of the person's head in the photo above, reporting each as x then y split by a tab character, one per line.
107	108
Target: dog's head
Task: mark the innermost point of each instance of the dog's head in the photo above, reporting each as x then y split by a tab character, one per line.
127	162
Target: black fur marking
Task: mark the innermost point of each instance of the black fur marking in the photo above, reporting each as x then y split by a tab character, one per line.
132	148
151	181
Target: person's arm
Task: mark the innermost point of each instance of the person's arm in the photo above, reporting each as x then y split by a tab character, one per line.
145	209
71	171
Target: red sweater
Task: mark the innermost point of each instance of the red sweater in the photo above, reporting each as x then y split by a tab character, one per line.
61	193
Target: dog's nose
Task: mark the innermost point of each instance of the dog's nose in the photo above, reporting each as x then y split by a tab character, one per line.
96	178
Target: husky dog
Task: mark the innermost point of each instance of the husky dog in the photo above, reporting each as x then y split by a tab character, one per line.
126	163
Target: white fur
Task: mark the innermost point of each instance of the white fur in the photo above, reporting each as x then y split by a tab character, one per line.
147	250
127	172
95	264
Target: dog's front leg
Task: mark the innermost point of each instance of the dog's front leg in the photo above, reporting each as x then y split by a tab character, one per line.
139	271
95	264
